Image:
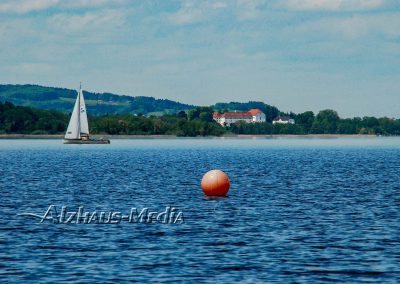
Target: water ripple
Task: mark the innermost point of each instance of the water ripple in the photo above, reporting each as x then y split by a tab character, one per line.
299	211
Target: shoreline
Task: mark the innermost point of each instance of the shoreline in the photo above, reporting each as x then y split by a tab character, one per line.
227	136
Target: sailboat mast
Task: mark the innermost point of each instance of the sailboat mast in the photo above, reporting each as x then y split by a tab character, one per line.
79	112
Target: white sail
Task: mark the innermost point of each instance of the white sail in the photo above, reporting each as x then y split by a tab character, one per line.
83	116
73	130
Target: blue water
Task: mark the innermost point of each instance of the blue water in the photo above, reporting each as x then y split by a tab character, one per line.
299	211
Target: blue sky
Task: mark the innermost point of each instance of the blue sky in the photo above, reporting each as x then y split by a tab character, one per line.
296	54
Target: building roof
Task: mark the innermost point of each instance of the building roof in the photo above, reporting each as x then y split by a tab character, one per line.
236	115
282	118
254	111
245	115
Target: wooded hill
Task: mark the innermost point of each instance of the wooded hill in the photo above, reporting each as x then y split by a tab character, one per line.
62	99
46	110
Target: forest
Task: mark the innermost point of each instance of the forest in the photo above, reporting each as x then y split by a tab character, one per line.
194	122
63	100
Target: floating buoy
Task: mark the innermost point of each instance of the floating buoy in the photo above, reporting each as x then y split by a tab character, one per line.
215	183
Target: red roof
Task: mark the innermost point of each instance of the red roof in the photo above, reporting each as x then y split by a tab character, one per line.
248	115
254	111
232	115
236	115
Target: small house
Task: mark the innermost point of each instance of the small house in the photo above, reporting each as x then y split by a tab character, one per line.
283	120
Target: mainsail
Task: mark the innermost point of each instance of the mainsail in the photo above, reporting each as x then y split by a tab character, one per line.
73	130
79	123
83	116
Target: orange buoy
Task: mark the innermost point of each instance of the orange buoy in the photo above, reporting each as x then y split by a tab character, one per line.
215	183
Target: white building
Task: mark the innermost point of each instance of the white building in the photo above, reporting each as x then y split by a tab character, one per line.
283	120
257	115
227	118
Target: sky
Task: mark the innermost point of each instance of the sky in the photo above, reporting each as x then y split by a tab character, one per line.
298	55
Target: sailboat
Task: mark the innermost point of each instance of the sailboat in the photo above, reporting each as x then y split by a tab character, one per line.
78	127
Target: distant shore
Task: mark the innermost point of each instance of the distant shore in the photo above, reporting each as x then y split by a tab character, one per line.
227	136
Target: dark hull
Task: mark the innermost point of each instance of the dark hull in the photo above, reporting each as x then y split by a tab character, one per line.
90	141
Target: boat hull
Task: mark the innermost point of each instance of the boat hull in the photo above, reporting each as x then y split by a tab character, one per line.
90	141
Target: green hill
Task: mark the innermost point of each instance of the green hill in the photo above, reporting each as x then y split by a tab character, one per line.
97	103
61	99
46	110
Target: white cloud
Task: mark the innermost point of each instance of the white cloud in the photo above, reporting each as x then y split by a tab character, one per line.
354	27
90	3
190	12
198	11
26	6
99	20
219	5
249	9
332	5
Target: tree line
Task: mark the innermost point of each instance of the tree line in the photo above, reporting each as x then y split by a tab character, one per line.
27	120
325	122
195	122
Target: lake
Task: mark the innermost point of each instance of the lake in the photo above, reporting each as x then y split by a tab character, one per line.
304	210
